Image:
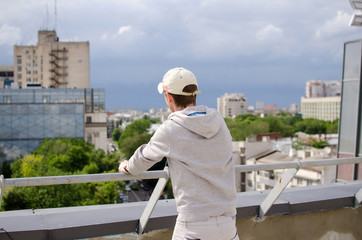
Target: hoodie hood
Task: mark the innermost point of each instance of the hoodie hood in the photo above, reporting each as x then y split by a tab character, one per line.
201	120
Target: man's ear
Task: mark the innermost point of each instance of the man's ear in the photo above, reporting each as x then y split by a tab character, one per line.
169	98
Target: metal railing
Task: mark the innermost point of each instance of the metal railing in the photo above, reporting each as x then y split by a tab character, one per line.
163	176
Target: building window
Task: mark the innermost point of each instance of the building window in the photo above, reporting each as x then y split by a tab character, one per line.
7	99
250	183
18	61
28	79
46	99
19	76
89	119
19	68
89	138
35	72
28	72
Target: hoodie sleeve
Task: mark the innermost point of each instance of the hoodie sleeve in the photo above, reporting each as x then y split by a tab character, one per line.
149	154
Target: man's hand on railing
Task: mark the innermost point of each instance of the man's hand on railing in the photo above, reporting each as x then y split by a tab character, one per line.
123	167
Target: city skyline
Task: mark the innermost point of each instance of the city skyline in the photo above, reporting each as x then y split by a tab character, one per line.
264	50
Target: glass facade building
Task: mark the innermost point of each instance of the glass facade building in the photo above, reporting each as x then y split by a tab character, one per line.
27	116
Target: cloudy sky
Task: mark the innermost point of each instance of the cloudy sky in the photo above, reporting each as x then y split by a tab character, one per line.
266	50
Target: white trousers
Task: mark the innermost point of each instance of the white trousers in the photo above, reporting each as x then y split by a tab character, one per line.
218	228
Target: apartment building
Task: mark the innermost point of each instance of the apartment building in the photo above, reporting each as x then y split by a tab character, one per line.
318	88
52	63
232	105
264	180
322	108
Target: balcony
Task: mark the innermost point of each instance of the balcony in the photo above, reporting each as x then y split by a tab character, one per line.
331	211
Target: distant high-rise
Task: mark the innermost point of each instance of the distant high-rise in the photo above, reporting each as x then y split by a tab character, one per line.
232	105
317	88
322	100
259	105
52	64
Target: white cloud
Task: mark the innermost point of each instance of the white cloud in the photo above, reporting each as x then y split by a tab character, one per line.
335	26
9	35
104	36
269	33
124	29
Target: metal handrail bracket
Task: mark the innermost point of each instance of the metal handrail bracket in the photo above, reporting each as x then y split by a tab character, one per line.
278	188
358	198
152	203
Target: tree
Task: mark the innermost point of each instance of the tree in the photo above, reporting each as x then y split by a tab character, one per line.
332	127
5	169
133	136
62	157
247	125
116	134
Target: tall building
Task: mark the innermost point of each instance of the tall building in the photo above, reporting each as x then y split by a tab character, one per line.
322	108
259	105
232	105
294	108
317	88
50	97
322	100
52	64
27	116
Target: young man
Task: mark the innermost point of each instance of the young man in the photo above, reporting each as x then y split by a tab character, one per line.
197	144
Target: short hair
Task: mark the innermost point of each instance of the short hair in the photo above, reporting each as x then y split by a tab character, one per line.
184	101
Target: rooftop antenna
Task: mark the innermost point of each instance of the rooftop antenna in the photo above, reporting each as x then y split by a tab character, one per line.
47	15
55	16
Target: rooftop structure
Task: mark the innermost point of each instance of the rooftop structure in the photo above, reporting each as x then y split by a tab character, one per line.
350	129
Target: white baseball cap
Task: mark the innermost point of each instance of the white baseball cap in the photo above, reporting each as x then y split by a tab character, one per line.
175	80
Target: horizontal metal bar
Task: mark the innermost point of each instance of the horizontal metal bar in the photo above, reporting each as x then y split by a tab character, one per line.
303	164
263	167
86	178
108	177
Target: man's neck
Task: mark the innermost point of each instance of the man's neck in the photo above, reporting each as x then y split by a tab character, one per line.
179	108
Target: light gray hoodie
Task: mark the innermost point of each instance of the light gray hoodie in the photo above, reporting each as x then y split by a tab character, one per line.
199	152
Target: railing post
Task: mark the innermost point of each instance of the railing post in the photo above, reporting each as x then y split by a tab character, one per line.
152	203
2	184
277	190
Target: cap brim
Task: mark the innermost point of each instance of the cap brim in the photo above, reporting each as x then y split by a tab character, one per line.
160	87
